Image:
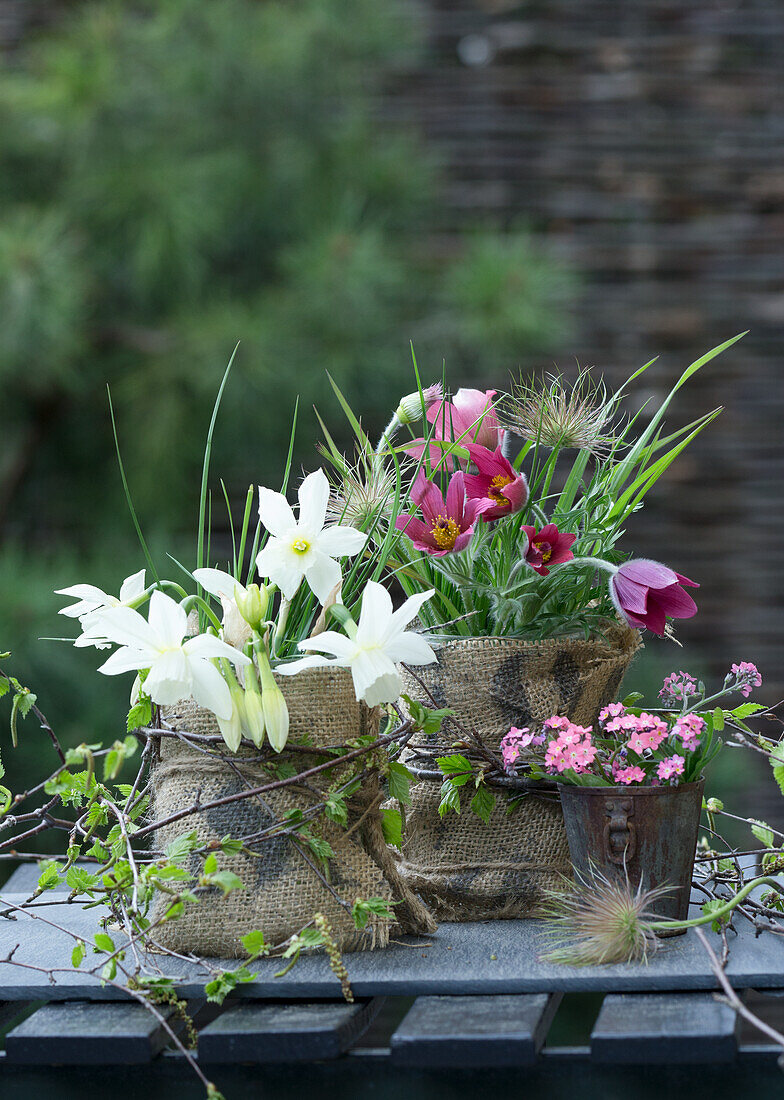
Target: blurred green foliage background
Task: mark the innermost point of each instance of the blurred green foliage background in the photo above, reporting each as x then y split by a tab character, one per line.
176	176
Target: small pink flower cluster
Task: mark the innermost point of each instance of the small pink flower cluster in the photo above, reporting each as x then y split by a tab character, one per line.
514	742
571	749
747	676
678	685
642	732
671	767
688	729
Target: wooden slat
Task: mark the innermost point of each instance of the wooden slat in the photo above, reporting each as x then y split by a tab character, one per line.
85	1033
664	1028
259	1032
503	1030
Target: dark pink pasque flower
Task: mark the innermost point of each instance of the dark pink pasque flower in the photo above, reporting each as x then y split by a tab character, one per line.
448	524
547	547
456	420
645	592
498	488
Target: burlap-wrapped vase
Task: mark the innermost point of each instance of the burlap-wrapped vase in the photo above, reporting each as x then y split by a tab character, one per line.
282	887
466	869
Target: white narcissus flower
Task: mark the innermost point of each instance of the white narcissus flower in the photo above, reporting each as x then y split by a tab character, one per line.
177	669
90	599
304	547
380	641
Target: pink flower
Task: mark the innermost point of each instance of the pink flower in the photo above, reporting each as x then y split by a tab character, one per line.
677	686
688	729
514	742
747	676
614	710
670	767
448	525
498	487
630	775
547	547
645	592
456	420
557	722
571	749
649	733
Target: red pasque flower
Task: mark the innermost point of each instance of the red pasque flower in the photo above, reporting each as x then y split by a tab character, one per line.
645	592
498	487
547	547
448	524
456	420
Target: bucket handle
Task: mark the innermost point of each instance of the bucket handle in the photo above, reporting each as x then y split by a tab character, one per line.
620	834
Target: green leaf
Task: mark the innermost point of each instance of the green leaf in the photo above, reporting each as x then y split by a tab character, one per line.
400	780
78	953
210	864
711	907
80	880
450	798
49	876
224	880
255	944
762	831
778	775
392	824
103	942
140	714
336	810
455	767
230	846
632	698
745	710
718	719
363	910
182	846
482	803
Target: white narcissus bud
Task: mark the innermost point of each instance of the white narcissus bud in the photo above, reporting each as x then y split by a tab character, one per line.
236	630
231	728
253	718
252	604
273	703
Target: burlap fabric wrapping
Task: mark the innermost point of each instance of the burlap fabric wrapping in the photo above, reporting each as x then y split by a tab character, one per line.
464	869
281	890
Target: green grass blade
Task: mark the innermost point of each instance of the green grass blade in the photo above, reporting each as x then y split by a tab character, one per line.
128	498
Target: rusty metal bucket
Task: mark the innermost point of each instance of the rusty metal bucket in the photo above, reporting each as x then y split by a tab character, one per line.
646	833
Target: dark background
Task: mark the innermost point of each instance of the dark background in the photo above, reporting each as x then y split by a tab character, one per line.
510	186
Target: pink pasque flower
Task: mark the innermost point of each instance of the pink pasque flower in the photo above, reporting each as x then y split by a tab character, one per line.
649	733
469	417
549	546
747	676
645	592
677	686
688	729
670	767
498	487
628	776
448	525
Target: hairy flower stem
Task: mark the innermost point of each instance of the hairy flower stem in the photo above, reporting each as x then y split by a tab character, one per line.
720	913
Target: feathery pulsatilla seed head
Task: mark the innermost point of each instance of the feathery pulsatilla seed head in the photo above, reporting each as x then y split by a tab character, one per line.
558	414
595	921
363	493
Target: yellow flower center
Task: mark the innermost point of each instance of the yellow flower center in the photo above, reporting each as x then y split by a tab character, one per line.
445	532
546	553
301	546
496	485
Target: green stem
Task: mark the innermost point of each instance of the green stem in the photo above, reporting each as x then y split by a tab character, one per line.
190	602
717	914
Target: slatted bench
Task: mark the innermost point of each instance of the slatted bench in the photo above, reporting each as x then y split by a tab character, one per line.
468	1012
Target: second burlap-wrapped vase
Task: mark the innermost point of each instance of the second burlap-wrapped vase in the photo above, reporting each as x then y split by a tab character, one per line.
283	883
463	868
